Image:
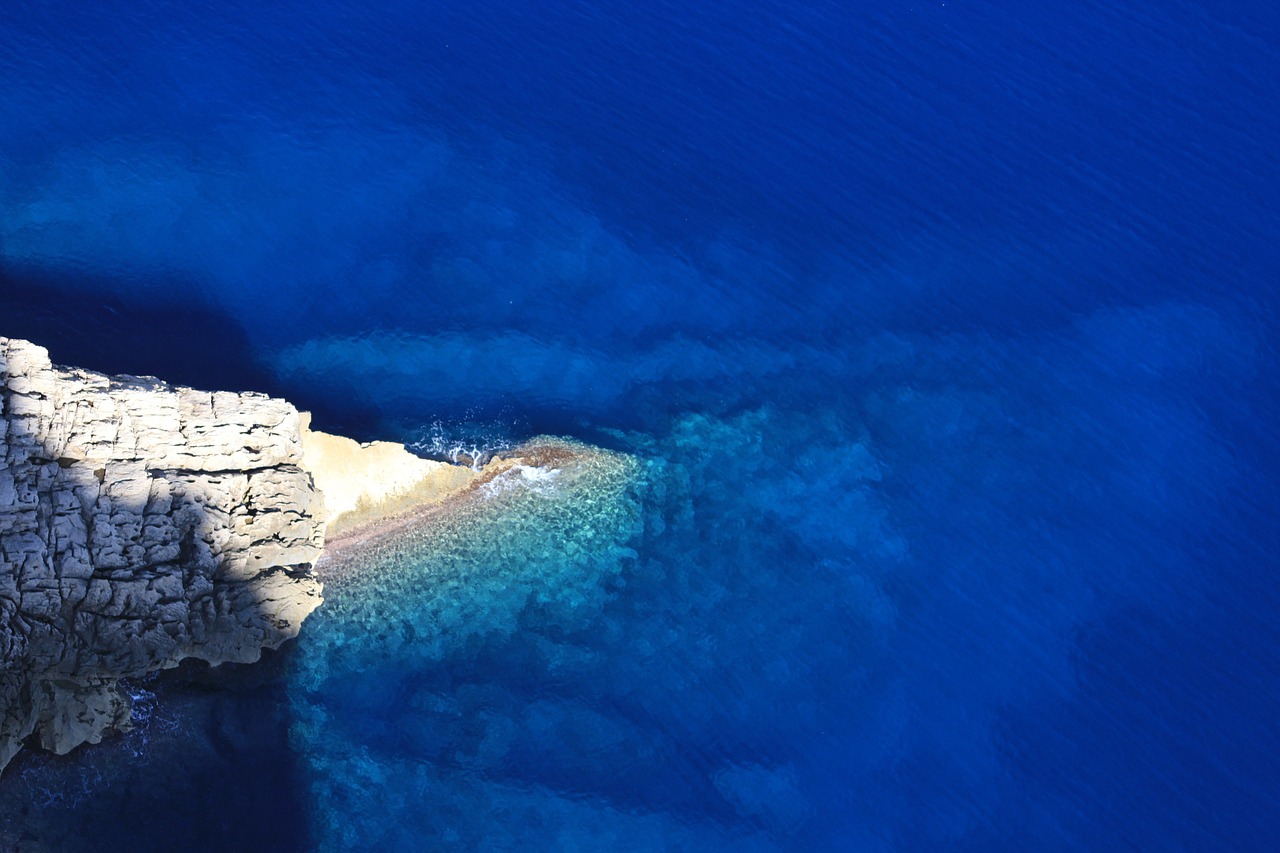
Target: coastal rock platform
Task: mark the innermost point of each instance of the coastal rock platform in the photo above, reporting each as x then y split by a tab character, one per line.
140	524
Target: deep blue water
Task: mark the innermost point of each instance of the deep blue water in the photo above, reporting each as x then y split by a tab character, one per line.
941	338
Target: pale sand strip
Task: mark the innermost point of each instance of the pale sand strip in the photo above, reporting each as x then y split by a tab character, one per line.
373	492
367	482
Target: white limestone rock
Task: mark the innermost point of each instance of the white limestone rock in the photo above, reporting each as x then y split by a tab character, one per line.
140	524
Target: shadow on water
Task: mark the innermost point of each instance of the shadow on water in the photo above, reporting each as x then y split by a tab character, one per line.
92	320
209	768
88	321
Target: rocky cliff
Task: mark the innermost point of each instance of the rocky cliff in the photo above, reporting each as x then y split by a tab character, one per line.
140	524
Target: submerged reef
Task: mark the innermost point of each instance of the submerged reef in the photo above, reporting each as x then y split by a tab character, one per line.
142	524
389	689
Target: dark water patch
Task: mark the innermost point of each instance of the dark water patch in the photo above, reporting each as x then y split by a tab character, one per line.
112	325
91	319
208	767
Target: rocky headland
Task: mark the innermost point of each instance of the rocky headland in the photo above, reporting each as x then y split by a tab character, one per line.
142	524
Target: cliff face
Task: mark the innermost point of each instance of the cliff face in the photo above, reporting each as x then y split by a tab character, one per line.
140	524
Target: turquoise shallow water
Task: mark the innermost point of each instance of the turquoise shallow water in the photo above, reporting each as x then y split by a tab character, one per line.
450	653
935	343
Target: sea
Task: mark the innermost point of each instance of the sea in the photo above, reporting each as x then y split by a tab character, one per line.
926	353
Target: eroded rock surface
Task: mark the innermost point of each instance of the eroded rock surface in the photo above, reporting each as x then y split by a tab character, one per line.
140	524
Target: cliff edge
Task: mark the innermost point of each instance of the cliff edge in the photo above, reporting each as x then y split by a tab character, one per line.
140	524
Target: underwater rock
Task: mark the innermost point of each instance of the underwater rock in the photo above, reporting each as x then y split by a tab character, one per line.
140	524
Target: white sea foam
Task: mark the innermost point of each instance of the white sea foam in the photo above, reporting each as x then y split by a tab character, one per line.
537	480
462	444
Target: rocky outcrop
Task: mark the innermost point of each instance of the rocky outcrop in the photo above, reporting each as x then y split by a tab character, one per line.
140	524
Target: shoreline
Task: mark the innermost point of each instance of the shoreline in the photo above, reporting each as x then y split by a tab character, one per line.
347	553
